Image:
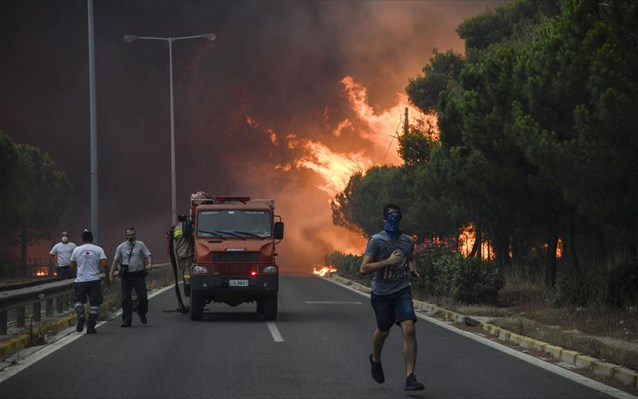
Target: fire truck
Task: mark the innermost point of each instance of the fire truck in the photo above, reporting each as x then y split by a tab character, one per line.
235	250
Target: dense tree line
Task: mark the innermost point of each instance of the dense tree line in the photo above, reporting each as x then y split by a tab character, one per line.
33	195
538	136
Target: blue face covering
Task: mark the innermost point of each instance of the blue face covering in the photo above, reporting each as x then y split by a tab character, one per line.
392	220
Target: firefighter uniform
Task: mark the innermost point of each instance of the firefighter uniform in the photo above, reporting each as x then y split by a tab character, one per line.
184	247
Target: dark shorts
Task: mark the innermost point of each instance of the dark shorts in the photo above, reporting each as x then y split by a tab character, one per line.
90	289
393	308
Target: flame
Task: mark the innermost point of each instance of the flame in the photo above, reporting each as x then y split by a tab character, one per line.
42	271
323	270
335	168
272	135
559	248
382	128
467	237
345	124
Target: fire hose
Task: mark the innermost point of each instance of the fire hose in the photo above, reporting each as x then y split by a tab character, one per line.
171	251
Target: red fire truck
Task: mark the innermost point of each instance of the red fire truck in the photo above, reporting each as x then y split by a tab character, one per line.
235	249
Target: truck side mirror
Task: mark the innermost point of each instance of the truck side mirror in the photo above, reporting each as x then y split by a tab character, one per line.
279	230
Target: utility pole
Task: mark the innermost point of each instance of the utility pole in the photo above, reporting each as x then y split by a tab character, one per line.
406	125
93	125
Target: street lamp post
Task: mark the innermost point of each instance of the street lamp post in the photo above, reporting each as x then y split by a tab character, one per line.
170	40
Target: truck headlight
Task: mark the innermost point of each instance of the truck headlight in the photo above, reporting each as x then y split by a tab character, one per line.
272	269
199	269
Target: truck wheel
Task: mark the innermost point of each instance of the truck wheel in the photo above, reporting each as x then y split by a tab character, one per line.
270	307
260	306
196	307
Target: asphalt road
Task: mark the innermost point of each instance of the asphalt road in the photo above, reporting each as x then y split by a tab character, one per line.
317	348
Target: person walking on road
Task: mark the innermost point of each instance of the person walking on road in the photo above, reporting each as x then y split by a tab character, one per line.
390	256
133	259
86	260
183	244
61	257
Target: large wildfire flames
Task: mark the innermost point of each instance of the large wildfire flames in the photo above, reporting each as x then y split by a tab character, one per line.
376	134
335	167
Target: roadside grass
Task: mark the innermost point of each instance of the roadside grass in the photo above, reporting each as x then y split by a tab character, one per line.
39	332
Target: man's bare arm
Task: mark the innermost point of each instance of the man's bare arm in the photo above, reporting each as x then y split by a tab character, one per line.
368	266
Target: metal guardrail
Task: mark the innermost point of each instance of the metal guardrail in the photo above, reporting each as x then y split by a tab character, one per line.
59	293
57	297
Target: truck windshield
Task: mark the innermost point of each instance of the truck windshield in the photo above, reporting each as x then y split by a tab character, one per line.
233	223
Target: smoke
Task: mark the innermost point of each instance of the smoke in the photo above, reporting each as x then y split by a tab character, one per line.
291	99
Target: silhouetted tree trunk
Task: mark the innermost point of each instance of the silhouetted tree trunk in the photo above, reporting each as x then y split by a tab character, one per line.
572	247
476	248
23	247
501	251
550	269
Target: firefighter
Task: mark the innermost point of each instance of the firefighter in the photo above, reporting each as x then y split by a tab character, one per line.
183	244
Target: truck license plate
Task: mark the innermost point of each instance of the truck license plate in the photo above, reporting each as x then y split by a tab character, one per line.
238	283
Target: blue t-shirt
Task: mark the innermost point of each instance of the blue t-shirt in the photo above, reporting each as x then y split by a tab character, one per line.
391	278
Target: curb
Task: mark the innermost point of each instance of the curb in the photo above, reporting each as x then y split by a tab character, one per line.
621	374
21	340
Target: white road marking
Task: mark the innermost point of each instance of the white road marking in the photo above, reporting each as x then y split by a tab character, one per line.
69	335
333	303
274	331
23	363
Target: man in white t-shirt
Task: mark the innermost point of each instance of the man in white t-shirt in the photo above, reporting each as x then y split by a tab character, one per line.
87	259
61	257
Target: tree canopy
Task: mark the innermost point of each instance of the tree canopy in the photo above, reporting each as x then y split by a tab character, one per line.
34	193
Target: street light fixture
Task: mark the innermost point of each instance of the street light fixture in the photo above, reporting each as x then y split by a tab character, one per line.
208	36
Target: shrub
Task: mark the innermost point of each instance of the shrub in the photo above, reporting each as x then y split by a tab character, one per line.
348	265
578	289
621	288
615	287
467	280
433	267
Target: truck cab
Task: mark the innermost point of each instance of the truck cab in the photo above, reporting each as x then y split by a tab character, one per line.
235	251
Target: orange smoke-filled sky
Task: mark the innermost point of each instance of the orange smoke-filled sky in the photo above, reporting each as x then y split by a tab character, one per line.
289	101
